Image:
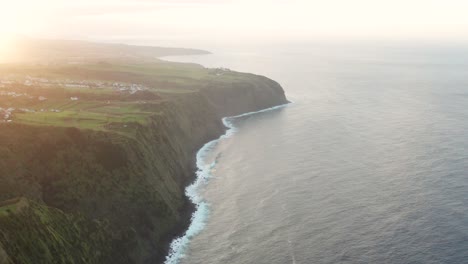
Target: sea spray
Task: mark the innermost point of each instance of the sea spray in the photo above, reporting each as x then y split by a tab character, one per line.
179	245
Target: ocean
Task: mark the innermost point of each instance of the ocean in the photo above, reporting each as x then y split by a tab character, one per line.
369	164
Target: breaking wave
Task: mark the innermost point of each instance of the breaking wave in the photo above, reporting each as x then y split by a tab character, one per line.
202	209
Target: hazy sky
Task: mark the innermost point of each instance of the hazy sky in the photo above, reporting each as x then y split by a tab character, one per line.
236	20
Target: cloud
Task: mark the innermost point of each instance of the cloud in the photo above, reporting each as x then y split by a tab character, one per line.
105	7
237	19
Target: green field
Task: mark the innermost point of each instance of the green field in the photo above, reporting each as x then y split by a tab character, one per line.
101	108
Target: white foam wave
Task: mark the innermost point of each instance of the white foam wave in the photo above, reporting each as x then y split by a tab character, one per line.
202	209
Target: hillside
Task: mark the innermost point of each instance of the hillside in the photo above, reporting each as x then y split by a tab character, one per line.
96	155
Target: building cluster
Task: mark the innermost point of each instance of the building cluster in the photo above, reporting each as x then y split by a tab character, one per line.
15	94
8	81
6	114
131	88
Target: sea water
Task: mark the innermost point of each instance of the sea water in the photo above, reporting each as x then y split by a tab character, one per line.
368	165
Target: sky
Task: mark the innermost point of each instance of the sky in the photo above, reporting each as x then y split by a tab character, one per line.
182	21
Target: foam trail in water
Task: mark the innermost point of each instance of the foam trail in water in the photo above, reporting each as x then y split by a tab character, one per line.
198	221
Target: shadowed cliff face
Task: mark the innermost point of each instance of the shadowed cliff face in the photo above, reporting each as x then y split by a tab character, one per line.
3	256
246	96
126	192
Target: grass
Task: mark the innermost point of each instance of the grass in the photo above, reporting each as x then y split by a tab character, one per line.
87	115
7	209
12	206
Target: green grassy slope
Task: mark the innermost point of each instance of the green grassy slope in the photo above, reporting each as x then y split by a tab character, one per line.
53	235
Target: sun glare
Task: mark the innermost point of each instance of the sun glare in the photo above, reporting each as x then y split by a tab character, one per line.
16	18
7	48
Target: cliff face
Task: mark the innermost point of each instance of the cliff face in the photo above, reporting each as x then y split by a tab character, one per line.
121	197
243	97
3	256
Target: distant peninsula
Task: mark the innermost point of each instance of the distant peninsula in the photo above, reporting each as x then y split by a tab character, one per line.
28	50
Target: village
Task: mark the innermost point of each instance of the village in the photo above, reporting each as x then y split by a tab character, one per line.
14	80
9	83
7	114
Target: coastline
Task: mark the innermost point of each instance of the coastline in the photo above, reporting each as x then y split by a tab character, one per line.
199	208
121	172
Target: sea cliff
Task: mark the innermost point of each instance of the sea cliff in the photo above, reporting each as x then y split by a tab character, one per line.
114	194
